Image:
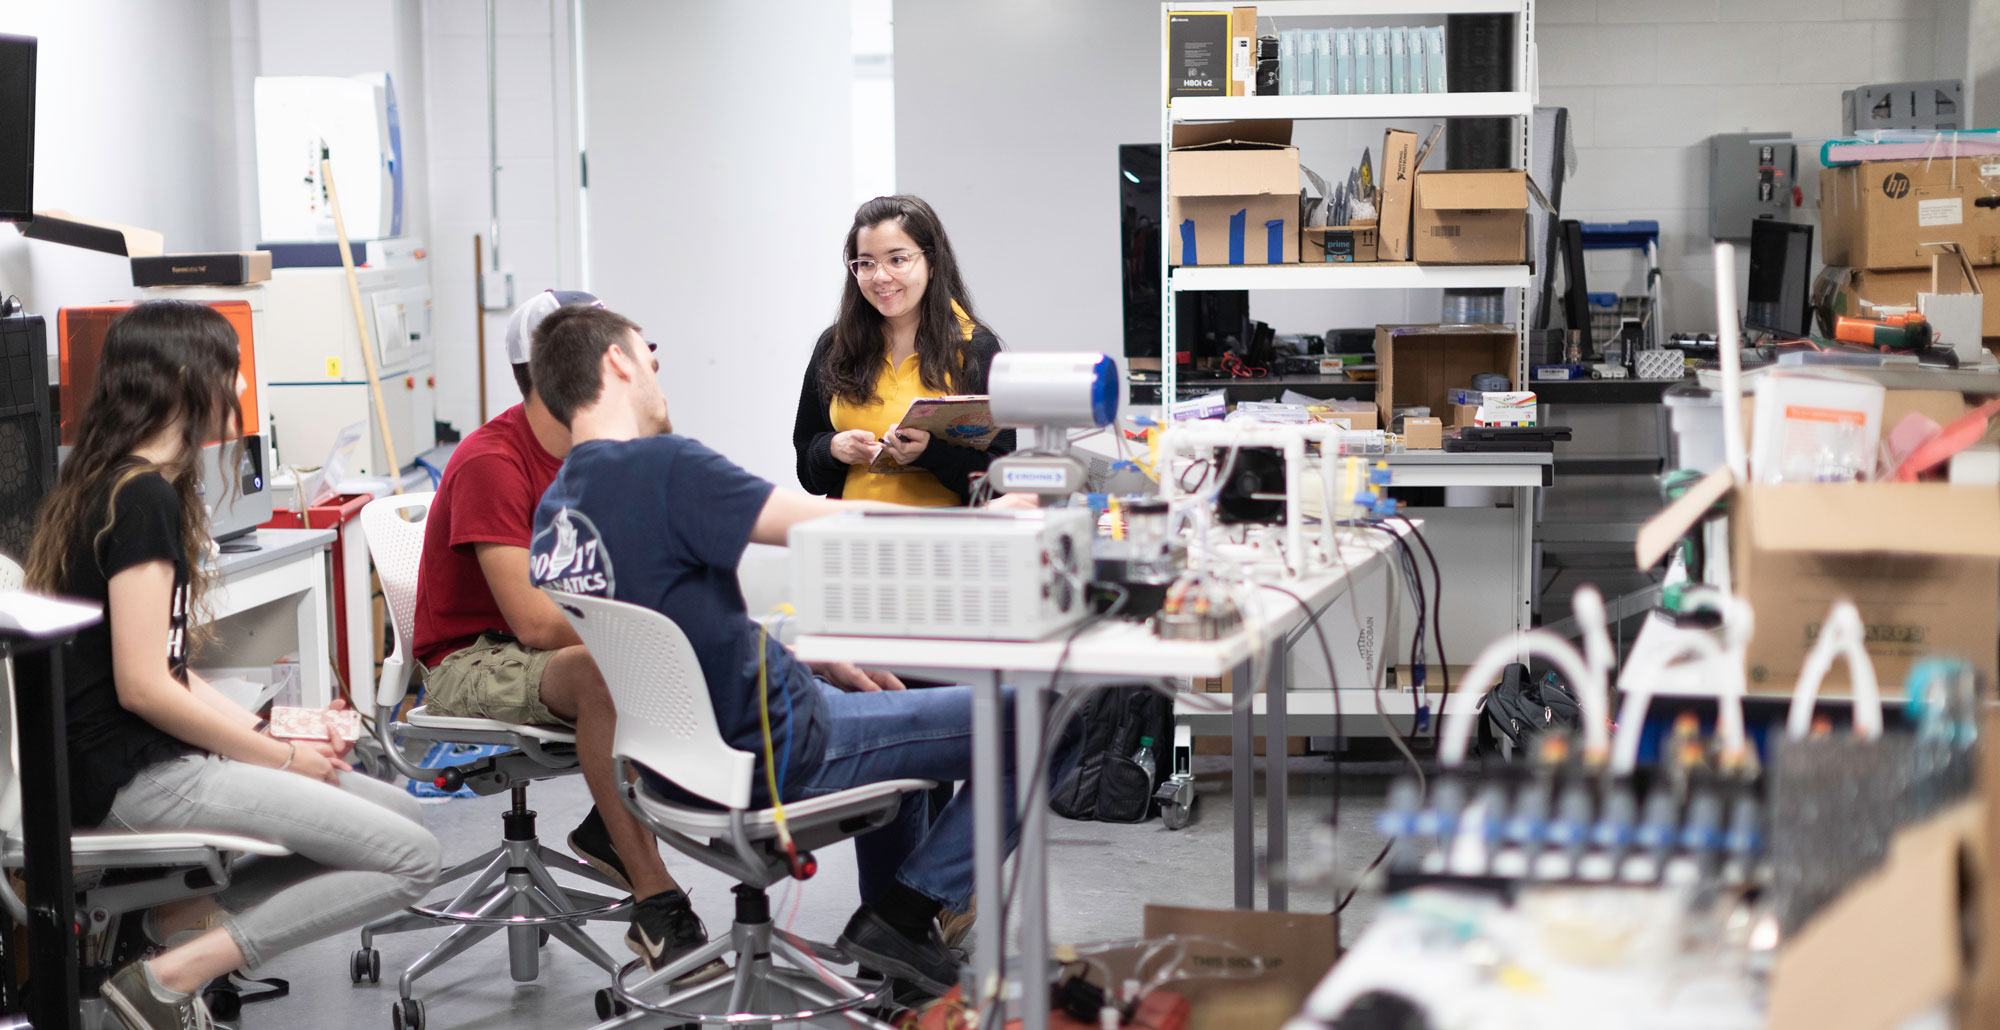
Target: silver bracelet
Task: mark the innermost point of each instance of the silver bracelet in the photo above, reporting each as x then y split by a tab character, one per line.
294	753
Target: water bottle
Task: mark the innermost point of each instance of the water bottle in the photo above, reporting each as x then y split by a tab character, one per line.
1145	758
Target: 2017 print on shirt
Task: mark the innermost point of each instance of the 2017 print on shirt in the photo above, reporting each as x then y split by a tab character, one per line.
569	556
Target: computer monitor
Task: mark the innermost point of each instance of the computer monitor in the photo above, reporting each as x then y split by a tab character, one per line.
17	128
1780	279
27	431
1139	246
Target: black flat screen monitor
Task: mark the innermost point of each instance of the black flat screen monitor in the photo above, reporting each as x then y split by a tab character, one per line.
1780	279
1139	246
17	128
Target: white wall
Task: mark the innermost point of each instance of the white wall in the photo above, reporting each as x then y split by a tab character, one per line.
538	210
1648	81
719	199
135	123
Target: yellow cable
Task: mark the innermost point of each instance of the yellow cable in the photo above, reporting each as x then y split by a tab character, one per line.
764	721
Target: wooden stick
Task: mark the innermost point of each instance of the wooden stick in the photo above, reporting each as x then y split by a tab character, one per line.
479	316
361	323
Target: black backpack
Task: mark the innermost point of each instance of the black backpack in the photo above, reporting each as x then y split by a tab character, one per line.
1521	708
1107	785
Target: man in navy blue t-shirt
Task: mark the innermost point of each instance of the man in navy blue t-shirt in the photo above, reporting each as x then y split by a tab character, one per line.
641	515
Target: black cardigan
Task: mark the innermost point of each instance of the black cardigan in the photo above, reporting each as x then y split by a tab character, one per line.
812	431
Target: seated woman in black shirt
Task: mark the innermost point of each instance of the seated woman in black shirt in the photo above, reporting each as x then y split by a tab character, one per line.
152	746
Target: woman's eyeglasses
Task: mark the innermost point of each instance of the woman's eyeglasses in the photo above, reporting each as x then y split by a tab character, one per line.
898	264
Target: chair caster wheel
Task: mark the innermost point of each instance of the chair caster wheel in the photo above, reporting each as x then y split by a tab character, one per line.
1177	816
365	966
608	1005
542	938
407	1015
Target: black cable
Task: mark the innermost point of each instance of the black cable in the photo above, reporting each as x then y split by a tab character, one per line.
1437	623
1199	463
1032	795
1339	727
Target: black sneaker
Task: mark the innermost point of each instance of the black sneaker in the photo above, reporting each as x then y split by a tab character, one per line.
138	1007
923	963
591	842
665	928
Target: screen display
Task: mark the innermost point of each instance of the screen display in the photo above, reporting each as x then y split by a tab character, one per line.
17	128
1780	278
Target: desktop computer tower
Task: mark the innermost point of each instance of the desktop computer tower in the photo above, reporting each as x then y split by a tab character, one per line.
27	431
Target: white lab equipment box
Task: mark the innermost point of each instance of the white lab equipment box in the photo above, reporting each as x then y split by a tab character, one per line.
355	121
312	319
954	573
309	417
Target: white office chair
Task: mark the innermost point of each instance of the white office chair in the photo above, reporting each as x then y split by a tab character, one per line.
667	725
512	885
153	868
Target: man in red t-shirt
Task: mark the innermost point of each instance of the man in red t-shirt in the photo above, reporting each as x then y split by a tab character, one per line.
495	647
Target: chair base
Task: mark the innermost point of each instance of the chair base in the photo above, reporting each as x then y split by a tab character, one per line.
512	888
777	978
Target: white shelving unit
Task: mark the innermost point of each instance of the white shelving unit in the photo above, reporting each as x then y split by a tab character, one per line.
1517	104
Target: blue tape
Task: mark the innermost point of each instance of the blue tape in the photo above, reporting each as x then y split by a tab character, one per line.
1274	241
1236	223
1187	243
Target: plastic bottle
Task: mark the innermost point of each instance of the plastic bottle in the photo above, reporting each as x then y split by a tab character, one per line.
1144	756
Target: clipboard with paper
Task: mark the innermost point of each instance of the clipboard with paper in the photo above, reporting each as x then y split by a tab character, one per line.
961	420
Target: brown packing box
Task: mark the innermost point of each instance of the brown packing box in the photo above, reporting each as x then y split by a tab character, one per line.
1420	364
1463	415
1891	946
1878	214
1353	418
1920	561
1845	288
1295	949
1471	217
1233	194
1349	243
1399	179
1423	434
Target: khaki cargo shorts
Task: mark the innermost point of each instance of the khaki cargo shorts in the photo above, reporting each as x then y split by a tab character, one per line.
495	678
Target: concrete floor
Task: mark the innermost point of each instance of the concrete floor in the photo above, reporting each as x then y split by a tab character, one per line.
1102	876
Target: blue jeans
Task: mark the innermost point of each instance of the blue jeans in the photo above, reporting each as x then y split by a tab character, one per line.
920	734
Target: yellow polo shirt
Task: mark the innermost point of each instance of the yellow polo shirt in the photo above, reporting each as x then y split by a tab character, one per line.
896	386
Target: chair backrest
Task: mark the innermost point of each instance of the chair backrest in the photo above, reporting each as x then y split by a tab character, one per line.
665	720
394	529
12	577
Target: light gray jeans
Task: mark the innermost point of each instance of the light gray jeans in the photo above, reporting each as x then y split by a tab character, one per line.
358	850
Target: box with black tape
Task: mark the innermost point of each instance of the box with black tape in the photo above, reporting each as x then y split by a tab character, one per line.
1233	194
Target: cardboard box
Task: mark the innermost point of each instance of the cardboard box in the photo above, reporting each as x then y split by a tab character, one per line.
1463	415
1233	194
1840	291
1419	364
1399	180
1217	744
1921	561
1423	434
1295	950
1878	214
1340	244
1954	305
1350	417
1471	217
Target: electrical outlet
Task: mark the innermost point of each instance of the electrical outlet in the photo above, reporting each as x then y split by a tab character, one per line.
496	291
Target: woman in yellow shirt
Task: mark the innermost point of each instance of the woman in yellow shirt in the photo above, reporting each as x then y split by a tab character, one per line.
905	330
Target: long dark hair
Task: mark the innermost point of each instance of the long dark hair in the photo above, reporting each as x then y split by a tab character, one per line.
854	359
165	362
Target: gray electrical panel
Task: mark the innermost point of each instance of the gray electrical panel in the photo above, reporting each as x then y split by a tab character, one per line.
1748	180
1937	105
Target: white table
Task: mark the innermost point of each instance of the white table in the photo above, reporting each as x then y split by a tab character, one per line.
283	582
1110	652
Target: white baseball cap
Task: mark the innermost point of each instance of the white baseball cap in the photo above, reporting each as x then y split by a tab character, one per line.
529	314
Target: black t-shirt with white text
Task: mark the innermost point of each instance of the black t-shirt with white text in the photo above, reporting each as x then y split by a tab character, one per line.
107	744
